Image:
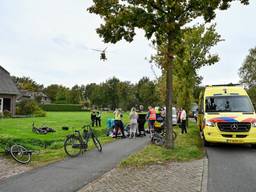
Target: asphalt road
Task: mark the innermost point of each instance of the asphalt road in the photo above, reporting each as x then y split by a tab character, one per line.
73	173
232	168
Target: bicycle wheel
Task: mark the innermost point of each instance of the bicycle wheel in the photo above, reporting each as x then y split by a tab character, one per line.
73	146
20	154
97	143
158	141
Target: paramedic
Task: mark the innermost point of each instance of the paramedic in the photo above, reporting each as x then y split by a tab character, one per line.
151	119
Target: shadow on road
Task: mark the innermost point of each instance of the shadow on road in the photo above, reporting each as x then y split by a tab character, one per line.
227	146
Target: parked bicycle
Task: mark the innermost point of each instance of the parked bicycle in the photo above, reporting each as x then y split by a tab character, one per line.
77	143
19	153
158	137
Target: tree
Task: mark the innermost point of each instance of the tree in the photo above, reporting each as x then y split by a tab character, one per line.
95	94
111	90
76	95
62	95
247	71
26	83
51	91
162	22
146	92
252	93
127	95
195	53
191	55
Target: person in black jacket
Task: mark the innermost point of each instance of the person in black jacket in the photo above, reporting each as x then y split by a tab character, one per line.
98	118
141	121
93	118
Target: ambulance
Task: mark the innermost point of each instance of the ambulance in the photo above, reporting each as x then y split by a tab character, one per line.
226	115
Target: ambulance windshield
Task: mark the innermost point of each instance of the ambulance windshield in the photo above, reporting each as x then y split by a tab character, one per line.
228	104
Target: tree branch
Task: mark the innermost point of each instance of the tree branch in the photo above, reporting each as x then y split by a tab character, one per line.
152	3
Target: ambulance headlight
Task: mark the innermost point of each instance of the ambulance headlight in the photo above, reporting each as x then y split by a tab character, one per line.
209	124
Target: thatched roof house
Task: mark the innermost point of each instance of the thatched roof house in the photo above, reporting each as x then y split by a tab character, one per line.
8	92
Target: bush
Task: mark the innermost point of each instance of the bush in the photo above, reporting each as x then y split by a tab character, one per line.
7	114
62	107
30	107
40	113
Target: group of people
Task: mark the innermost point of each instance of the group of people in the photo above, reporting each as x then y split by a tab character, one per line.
135	126
96	118
137	119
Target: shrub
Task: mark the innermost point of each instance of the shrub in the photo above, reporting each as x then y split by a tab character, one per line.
62	107
30	107
7	114
40	113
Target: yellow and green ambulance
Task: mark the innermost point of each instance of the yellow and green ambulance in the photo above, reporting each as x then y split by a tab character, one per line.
226	115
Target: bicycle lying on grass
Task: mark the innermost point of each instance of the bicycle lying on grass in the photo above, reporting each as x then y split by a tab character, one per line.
42	130
77	143
19	153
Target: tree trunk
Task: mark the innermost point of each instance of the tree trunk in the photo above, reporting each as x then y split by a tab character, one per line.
169	143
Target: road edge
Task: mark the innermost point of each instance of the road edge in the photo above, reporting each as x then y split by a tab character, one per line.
204	175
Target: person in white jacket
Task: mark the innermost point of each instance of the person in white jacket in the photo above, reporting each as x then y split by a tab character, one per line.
133	122
183	119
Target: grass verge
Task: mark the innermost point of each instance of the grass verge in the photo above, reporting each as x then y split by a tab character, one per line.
48	148
187	147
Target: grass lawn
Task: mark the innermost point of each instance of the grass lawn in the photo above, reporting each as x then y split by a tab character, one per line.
187	147
19	131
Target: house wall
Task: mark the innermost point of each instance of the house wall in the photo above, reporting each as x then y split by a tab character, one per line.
13	102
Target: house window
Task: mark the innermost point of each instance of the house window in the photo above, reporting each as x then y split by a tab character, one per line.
7	104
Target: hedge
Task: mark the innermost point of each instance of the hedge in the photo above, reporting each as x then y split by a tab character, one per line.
62	107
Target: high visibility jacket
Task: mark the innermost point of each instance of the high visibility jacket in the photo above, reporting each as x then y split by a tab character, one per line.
157	109
118	116
152	114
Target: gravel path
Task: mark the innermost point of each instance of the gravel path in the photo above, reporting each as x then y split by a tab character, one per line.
10	168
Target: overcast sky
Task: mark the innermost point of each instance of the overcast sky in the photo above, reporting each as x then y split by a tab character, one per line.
51	41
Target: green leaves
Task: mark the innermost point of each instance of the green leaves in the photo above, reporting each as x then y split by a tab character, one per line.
115	93
156	17
247	72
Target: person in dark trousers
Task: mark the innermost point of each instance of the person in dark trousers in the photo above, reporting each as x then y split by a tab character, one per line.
118	123
141	123
98	119
183	119
93	118
151	117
